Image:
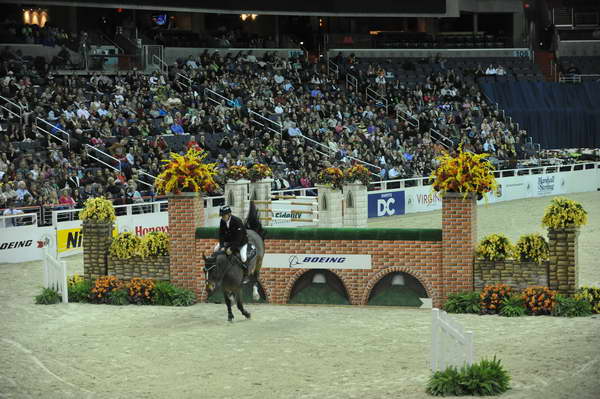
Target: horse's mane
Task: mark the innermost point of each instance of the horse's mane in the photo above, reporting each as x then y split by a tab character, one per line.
253	221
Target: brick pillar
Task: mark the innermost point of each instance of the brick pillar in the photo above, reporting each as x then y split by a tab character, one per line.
260	192
356	211
330	207
459	236
96	242
186	213
563	271
236	196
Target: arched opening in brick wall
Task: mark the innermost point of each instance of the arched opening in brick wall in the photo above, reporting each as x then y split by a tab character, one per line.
319	286
217	295
397	289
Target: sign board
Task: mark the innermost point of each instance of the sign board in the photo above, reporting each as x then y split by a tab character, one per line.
317	261
387	203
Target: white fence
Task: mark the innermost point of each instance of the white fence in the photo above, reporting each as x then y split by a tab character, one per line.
55	275
451	345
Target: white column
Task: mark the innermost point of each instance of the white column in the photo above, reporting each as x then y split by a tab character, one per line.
236	196
260	192
330	207
356	211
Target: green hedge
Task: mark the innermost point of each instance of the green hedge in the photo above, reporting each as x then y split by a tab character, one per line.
346	234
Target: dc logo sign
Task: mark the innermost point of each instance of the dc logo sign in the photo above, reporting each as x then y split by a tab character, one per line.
386	204
385	207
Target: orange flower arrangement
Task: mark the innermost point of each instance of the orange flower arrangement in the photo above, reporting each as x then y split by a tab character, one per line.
259	171
464	173
187	173
491	297
539	300
140	291
333	177
358	172
103	286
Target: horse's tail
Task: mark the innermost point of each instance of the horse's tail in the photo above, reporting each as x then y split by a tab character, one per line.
253	221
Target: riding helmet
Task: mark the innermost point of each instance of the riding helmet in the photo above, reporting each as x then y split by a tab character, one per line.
224	210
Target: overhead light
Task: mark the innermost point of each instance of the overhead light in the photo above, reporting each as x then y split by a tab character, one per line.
302	43
319	278
248	16
398	279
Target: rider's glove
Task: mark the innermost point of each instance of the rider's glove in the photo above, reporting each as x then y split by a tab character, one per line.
228	251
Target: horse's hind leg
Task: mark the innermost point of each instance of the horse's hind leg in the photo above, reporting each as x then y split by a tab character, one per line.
228	303
240	306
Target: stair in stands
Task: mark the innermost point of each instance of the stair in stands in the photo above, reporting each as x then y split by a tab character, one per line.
543	60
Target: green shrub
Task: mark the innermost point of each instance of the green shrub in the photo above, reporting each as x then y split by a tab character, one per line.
80	291
182	297
565	306
48	297
163	292
590	294
118	297
513	306
464	302
485	378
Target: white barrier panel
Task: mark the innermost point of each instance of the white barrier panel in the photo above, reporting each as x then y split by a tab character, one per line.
55	274
423	199
451	345
294	213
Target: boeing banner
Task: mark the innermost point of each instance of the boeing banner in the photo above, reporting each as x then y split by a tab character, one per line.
386	204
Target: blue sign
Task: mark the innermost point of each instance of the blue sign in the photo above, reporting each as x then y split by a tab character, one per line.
386	204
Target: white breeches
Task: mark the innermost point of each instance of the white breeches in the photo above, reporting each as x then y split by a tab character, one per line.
243	251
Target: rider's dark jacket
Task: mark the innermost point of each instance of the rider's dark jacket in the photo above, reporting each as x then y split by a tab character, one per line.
233	236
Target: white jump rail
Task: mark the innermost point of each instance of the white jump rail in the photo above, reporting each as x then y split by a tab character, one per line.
451	345
19	220
55	275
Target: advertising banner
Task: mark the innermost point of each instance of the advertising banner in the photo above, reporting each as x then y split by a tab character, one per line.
386	203
24	243
293	213
317	261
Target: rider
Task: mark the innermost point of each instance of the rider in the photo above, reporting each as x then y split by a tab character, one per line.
232	235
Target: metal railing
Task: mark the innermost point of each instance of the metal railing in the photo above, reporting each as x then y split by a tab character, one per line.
17	110
441	139
576	78
266	122
374	95
65	133
117	161
164	68
188	81
351	82
228	102
332	66
414	122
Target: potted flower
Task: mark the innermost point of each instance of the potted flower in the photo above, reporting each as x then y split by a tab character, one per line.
564	213
98	210
531	248
495	247
259	171
187	174
332	177
464	173
358	173
235	173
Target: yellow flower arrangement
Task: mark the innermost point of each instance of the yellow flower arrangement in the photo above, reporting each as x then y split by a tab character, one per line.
590	294
531	248
259	171
98	209
358	172
187	173
563	212
236	172
155	243
333	177
494	247
73	280
464	173
126	245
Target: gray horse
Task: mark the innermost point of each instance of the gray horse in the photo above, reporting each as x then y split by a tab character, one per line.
226	272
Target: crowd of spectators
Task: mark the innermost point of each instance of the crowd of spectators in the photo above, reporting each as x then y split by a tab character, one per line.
211	100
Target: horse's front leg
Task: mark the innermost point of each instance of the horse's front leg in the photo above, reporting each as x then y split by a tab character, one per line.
240	306
228	303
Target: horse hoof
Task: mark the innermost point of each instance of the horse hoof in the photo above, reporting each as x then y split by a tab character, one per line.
247	315
230	320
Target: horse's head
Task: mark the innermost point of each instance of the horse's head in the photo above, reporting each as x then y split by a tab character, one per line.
210	278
